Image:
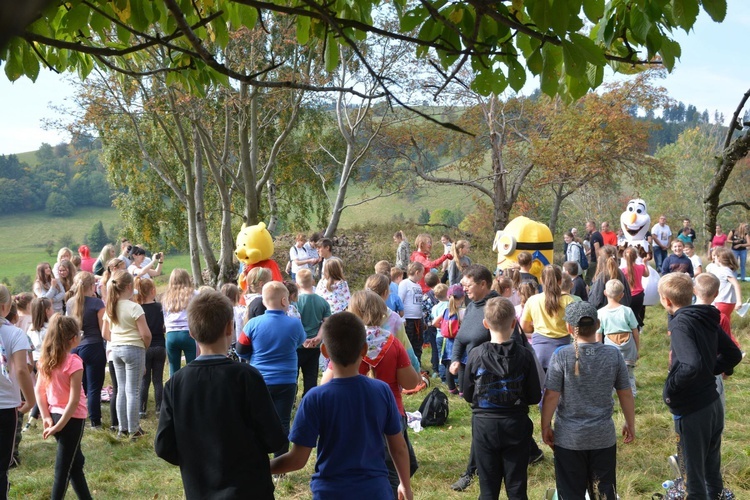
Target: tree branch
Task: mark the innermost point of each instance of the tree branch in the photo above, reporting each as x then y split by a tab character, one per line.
744	204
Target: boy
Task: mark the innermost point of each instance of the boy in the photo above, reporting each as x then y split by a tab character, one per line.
430	333
690	388
501	381
221	453
313	310
441	294
678	262
694	259
524	261
393	301
619	327
270	342
347	418
410	293
579	286
579	384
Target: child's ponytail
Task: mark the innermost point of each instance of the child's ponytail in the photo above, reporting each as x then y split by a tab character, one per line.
119	282
576	366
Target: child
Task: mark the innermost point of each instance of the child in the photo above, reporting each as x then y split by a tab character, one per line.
579	286
526	290
460	262
333	286
291	287
41	311
347	419
428	301
175	302
397	276
697	353
524	261
156	354
222	453
619	326
694	258
270	342
678	262
23	303
62	403
256	279
393	301
441	294
232	292
402	252
723	267
566	286
313	310
579	384
500	382
411	295
449	321
635	272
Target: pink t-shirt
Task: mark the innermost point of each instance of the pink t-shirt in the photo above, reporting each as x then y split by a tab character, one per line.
637	279
719	240
58	387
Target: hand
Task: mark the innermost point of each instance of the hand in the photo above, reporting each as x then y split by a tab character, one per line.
453	368
628	434
24	407
47	422
404	493
449	256
548	436
53	283
51	431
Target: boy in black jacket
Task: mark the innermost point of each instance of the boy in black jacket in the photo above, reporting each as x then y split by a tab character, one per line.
690	389
217	420
501	381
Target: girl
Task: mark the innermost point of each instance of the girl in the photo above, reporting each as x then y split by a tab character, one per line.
41	312
126	330
385	360
147	271
63	404
403	250
724	266
156	354
740	241
634	273
449	323
112	266
67	273
526	290
291	287
514	274
14	346
47	286
232	292
544	316
256	278
175	302
607	269
422	255
64	253
333	286
88	309
460	261
107	254
23	303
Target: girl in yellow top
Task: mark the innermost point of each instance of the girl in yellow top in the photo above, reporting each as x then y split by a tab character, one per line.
544	316
127	332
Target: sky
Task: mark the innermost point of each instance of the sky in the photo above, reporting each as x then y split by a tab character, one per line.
713	73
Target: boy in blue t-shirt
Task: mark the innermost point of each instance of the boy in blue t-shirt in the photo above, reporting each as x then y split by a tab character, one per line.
347	418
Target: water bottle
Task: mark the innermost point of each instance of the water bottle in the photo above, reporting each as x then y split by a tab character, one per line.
667	484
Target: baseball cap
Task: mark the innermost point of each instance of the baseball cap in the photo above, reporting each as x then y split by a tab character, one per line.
456	291
580	313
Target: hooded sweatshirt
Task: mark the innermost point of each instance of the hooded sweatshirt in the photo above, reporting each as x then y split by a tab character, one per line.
699	350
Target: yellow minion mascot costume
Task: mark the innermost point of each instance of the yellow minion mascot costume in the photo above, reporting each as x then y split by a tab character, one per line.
523	234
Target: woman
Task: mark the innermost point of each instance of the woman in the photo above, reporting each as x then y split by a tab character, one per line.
47	286
107	254
89	311
635	273
460	262
403	250
174	303
147	271
64	253
87	261
607	268
126	330
299	257
67	273
422	255
740	241
544	316
718	241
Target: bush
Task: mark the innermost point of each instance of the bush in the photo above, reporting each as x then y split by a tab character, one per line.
66	240
96	237
424	216
58	205
21	283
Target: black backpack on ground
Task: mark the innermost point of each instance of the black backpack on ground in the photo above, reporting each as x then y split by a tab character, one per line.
434	408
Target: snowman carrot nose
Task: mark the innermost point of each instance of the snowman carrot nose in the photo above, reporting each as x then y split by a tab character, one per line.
632	217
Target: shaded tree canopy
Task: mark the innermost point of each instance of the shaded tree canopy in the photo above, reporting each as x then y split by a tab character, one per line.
567	43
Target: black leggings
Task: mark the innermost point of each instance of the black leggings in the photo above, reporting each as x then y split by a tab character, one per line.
8	419
113	399
69	460
307	362
156	356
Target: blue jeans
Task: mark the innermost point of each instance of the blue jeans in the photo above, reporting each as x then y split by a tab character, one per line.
741	256
283	396
94	363
179	341
659	256
430	334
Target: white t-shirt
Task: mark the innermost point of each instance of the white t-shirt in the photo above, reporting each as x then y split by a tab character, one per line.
661	233
12	340
696	260
299	254
410	294
726	289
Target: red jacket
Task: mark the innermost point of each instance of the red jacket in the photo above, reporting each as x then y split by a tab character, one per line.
428	264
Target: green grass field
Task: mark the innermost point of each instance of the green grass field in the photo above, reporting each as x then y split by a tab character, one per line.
120	469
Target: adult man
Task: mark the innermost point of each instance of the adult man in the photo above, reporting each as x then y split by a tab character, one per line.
609	236
311	247
662	237
477	283
595	243
691	231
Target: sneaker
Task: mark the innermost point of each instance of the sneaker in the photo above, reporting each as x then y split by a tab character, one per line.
139	433
453	391
536	458
463	482
114	428
122	434
96	427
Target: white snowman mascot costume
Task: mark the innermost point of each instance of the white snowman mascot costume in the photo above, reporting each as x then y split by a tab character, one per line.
635	223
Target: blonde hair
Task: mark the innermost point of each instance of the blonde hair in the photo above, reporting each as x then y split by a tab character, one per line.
57	343
61	254
678	288
274	292
378	283
414	268
726	258
614	289
551	278
179	292
304	277
422	239
396	272
383	267
145	287
117	285
82	282
607	264
333	272
630	255
455	251
369	307
107	253
499	314
454	305
441	292
706	286
256	278
112	266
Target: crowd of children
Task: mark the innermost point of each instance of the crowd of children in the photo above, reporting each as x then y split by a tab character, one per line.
503	343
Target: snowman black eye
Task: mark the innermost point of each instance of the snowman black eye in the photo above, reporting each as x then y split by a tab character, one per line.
630	209
639	210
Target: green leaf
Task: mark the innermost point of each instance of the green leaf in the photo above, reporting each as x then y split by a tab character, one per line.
535	62
303	29
595	75
482	83
13	65
639	24
98	23
331	54
592	52
559	17
541	13
669	51
575	62
717	9
516	74
685	13
594	9
76	18
551	69
30	62
577	87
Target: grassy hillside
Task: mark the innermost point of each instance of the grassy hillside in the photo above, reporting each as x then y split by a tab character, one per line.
28	157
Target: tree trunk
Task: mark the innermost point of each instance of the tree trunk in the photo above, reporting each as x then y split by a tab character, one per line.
247	132
200	211
733	153
555	211
195	262
273	206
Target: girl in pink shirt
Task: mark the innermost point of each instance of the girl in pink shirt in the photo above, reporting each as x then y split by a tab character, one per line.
59	393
